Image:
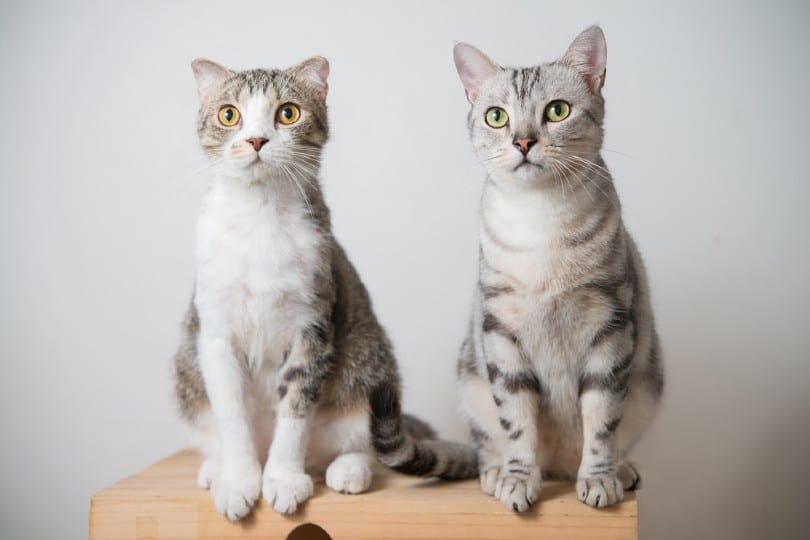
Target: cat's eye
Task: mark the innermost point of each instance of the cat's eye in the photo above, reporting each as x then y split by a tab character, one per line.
496	117
228	115
289	113
557	111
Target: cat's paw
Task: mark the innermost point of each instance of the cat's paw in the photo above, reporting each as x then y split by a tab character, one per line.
209	470
489	480
285	490
518	491
600	490
235	494
350	473
629	477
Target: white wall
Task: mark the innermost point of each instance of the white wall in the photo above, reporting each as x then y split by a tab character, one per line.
100	184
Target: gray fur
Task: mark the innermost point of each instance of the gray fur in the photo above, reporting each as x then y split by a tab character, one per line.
335	360
562	335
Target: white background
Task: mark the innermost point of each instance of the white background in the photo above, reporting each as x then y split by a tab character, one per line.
707	127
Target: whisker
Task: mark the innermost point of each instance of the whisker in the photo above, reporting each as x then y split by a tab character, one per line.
292	178
591	180
602	171
494	156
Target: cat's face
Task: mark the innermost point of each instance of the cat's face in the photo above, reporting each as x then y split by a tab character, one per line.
263	121
531	126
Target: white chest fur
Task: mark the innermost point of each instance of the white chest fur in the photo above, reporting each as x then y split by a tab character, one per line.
257	254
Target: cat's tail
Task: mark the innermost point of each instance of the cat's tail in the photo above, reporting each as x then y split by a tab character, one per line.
399	446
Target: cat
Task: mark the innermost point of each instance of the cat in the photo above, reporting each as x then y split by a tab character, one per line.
561	369
281	351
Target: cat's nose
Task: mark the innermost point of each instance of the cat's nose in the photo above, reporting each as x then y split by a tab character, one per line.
524	145
257	142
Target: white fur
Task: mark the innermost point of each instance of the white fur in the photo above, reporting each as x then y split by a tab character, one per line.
253	246
350	473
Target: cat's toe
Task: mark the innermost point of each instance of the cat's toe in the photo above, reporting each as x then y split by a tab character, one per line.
235	494
599	491
518	493
285	491
349	473
208	471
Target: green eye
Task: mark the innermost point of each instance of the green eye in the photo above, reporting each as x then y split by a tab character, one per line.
496	117
557	111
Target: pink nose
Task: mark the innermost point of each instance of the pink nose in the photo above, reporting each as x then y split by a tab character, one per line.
524	145
257	142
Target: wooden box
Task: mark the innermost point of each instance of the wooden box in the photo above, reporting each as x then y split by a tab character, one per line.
164	502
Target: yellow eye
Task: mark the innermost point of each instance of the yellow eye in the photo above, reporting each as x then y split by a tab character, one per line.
289	113
496	117
228	115
557	111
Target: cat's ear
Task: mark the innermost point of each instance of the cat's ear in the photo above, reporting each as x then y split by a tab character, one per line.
209	76
474	68
315	71
588	55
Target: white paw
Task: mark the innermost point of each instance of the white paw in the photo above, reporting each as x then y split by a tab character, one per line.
489	480
234	494
518	491
349	473
209	470
599	490
284	491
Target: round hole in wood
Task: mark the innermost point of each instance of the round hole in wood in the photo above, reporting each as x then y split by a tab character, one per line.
308	531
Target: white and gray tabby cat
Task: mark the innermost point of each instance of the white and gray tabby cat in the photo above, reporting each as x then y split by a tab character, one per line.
561	368
282	352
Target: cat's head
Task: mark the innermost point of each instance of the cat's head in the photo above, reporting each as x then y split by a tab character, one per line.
530	125
263	121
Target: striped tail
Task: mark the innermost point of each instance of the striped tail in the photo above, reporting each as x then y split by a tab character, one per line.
393	438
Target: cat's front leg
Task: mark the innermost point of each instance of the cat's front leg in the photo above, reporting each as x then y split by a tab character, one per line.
237	482
603	389
285	482
515	391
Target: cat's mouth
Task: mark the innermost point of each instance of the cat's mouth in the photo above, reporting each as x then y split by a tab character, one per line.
527	163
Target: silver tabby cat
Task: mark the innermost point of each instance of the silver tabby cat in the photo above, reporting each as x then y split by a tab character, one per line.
561	369
282	355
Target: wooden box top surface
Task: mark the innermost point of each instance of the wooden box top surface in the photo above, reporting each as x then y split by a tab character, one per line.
163	501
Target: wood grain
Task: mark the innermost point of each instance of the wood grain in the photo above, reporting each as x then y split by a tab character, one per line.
164	502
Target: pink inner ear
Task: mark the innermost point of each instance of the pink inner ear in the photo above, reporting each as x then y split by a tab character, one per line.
316	71
474	68
588	54
209	76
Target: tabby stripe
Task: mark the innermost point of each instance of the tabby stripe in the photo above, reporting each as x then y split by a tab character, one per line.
609	431
597	228
654	372
478	435
294	373
492	324
527	381
421	464
492	291
591	117
619	320
492	372
615	381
